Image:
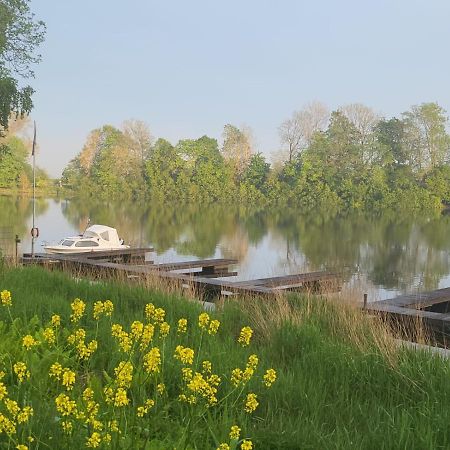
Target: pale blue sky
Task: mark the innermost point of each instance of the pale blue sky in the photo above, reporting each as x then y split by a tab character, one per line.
188	68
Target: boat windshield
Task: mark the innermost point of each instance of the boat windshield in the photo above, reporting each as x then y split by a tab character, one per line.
86	243
67	243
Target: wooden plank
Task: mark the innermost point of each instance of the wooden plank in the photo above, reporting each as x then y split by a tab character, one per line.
196	264
290	279
419	300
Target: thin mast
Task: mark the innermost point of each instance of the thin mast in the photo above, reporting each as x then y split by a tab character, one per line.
33	153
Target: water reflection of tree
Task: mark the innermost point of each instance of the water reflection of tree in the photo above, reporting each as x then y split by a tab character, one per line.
15	214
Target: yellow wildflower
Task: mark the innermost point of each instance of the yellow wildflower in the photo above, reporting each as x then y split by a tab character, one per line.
98	310
25	414
124	374
108	308
203	321
152	360
49	336
3	390
78	307
6	425
213	327
68	379
56	320
149	310
28	341
142	410
160	388
184	354
88	394
236	376
245	336
56	370
182	326
137	329
269	377
223	446
159	314
12	407
246	445
147	336
94	440
20	369
206	366
121	398
253	361
6	298
235	432
21	447
164	329
251	403
64	405
187	373
67	426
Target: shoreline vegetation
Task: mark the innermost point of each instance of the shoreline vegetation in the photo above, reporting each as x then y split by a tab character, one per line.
349	159
339	379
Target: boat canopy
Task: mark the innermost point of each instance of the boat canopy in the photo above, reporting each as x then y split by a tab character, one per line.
103	232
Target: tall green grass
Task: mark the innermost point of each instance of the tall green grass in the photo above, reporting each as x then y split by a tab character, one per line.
342	383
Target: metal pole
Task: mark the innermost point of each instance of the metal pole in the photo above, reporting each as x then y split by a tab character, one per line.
34	191
365	301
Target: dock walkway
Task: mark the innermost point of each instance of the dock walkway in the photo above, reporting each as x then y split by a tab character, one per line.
201	275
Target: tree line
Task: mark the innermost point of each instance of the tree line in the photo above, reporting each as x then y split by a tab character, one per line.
350	158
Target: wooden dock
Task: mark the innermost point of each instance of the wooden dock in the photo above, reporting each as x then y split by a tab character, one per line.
199	275
431	308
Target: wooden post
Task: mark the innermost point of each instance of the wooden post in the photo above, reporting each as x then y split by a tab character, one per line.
365	301
17	241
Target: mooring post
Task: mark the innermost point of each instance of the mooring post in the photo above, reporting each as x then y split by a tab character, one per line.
365	301
17	241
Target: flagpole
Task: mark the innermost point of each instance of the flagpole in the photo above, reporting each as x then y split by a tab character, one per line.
34	191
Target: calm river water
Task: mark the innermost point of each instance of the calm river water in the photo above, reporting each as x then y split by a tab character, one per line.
382	256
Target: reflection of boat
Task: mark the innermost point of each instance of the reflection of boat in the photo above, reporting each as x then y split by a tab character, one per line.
96	238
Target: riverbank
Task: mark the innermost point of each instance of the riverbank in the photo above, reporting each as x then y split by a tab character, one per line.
342	382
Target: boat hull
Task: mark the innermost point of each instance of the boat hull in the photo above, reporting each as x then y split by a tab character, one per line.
61	250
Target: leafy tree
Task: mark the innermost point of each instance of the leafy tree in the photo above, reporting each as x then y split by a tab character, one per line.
426	136
237	149
20	35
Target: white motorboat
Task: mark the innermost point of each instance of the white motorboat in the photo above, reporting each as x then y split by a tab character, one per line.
95	238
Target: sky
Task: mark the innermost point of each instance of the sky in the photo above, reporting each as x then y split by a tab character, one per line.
187	68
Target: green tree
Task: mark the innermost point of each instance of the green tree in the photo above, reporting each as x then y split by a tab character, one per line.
20	35
426	137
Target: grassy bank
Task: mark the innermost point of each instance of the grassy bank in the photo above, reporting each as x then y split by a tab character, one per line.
341	381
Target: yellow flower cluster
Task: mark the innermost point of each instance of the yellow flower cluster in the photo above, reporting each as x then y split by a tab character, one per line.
124	374
184	354
246	445
202	386
182	326
78	307
140	333
213	327
5	296
152	360
251	403
239	376
164	329
235	432
62	374
49	336
156	315
65	405
56	320
20	369
103	308
77	338
142	410
269	377
28	342
245	336
203	321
